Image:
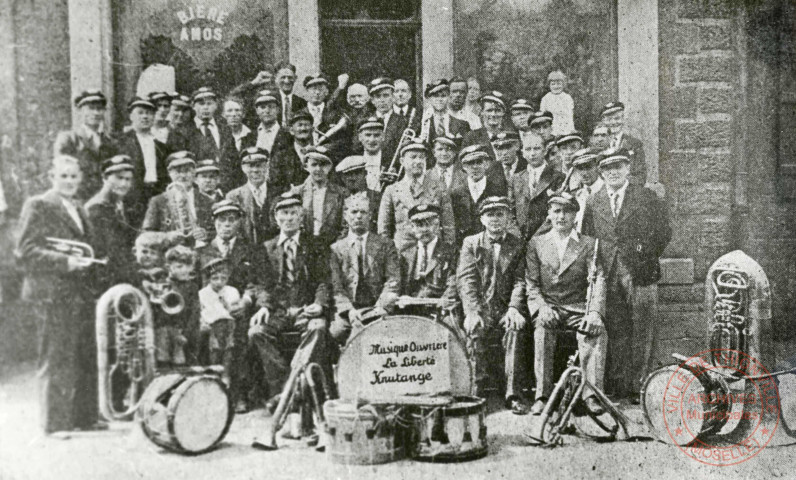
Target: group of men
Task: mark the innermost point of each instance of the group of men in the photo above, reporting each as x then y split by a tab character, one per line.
327	209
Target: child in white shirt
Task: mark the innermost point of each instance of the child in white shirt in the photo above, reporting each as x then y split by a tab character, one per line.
217	299
559	103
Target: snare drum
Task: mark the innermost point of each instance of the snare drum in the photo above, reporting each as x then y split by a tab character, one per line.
681	406
452	433
363	434
186	414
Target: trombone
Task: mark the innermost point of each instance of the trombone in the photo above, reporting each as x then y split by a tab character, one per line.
389	175
74	248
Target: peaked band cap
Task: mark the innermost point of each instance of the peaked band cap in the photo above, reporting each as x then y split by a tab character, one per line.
612	107
423	210
350	164
493	203
90	96
203	92
117	163
437	86
207	165
224	206
521	104
380	83
371	123
473	153
140	102
495	97
538	118
180	158
253	155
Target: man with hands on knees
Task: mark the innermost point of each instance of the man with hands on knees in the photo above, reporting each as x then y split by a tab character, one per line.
490	283
565	288
295	297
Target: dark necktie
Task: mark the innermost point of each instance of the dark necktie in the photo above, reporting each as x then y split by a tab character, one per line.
205	126
286	111
290	260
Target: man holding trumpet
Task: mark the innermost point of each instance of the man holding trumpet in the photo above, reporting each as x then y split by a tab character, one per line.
57	283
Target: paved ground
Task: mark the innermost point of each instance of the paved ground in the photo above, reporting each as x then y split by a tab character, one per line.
124	453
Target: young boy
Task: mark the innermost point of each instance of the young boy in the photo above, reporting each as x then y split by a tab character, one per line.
559	103
177	337
217	299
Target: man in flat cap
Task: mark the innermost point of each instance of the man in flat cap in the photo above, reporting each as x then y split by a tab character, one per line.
148	156
322	199
441	123
568	144
566	290
182	207
446	169
352	174
114	234
207	179
288	163
493	112
633	227
270	135
88	142
415	187
491	286
366	272
507	149
613	117
255	197
528	190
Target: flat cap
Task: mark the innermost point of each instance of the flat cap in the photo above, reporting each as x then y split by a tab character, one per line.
203	92
378	84
90	96
437	86
423	210
539	118
521	104
495	97
493	203
564	198
612	107
180	158
224	206
140	102
118	163
253	155
472	153
207	165
350	164
317	79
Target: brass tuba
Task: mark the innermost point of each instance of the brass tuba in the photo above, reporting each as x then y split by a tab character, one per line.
125	337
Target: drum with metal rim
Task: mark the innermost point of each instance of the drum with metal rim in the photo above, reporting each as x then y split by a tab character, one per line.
187	414
451	433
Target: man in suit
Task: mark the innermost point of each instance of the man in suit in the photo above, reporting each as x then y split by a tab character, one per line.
521	111
209	137
510	161
148	156
115	236
528	191
584	161
296	297
381	95
285	78
351	172
466	196
613	117
59	289
269	134
632	223
568	144
248	92
166	213
255	197
366	272
441	122
233	114
322	200
330	125
490	282
288	163
207	178
493	111
89	142
557	280
542	124
446	169
376	162
415	187
401	96
458	99
358	108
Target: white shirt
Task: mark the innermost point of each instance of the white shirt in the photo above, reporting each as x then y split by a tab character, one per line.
244	130
147	142
468	116
534	174
446	173
476	188
373	170
266	136
444	121
428	251
385	117
561	243
283	238
317	113
260	193
161	133
563	109
215	305
318	198
401	110
225	247
72	211
616	198
582	195
353	239
210	126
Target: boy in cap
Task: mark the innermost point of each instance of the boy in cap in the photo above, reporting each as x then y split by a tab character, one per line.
557	276
108	214
633	228
415	187
441	123
88	142
217	301
322	200
490	283
255	197
493	112
613	117
351	172
177	336
559	103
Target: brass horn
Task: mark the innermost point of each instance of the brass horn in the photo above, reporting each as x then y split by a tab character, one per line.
389	175
125	337
73	248
341	124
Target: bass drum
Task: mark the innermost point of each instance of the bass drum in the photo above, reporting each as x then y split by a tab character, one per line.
676	404
186	414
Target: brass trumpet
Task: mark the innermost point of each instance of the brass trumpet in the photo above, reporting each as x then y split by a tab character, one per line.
74	248
157	287
341	124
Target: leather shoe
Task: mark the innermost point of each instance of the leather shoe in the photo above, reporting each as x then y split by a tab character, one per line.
517	406
593	406
538	406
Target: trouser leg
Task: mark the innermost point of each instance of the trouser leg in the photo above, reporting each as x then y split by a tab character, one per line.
516	344
57	368
86	407
543	355
645	321
592	357
264	340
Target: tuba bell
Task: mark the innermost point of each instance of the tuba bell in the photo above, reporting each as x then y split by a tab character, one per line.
125	350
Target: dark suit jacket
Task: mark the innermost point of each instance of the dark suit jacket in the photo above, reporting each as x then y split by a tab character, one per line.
456	128
115	238
285	167
140	193
396	125
458	177
382	272
480	136
530	208
226	153
47	276
439	278
474	274
465	211
296	104
637	237
312	283
73	143
638	160
562	284
160	216
258	224
243	259
332	226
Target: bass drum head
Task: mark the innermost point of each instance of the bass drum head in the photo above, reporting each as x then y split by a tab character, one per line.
201	413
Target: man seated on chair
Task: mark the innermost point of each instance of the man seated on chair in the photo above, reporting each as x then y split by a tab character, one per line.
560	298
366	273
